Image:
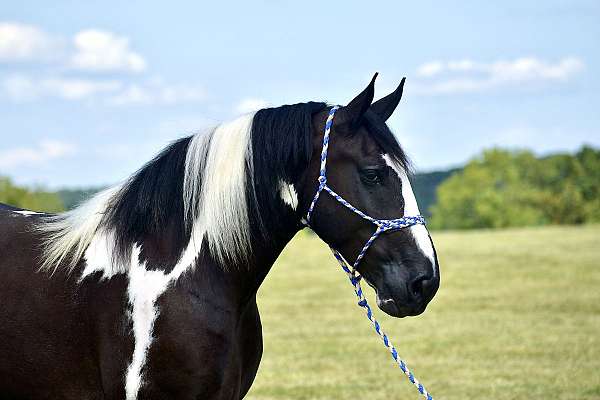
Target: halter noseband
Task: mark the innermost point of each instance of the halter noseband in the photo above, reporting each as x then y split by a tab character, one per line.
383	225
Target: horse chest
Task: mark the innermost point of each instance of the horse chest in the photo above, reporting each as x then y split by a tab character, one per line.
202	350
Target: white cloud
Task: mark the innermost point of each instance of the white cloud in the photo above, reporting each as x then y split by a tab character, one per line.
24	88
470	76
430	69
75	89
156	92
251	104
21	88
20	42
97	50
45	151
462	65
524	69
90	50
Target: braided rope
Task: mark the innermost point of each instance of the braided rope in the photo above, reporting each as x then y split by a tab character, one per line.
383	225
355	279
322	172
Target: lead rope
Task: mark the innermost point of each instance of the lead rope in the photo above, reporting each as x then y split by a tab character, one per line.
353	275
355	279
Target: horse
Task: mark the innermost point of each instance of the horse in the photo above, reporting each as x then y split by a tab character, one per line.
148	289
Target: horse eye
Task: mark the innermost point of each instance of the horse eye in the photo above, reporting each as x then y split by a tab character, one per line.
374	175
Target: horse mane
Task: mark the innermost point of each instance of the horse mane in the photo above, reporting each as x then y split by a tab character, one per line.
213	188
218	188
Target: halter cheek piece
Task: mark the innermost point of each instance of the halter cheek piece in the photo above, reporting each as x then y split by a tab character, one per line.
383	225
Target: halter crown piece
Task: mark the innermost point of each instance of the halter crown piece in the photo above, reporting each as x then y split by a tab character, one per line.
383	225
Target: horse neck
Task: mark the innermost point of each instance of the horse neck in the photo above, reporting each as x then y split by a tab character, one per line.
240	281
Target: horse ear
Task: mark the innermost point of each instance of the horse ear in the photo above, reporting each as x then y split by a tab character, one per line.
385	106
352	113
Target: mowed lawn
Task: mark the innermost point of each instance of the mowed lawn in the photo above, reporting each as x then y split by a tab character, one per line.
517	317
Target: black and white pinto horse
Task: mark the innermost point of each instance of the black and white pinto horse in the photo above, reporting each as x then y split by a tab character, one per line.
148	290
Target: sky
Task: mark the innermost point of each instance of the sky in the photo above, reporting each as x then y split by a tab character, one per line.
89	91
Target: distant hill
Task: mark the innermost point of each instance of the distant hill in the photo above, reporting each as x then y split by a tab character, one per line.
425	185
71	198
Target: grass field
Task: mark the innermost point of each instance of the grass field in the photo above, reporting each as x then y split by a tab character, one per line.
517	316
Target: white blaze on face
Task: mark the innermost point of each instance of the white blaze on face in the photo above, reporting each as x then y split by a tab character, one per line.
411	209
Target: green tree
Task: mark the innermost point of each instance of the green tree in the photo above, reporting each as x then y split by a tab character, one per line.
514	188
589	182
36	200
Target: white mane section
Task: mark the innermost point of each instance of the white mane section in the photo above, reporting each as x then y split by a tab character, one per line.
69	234
411	208
223	160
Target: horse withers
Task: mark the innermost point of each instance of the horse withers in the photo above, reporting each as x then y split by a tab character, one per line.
148	290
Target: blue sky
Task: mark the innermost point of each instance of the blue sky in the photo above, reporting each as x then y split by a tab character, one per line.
89	92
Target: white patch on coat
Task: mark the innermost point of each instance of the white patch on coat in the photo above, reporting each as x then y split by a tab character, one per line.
145	287
27	213
411	208
99	256
288	194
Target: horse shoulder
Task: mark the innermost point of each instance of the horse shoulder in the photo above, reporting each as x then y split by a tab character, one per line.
202	347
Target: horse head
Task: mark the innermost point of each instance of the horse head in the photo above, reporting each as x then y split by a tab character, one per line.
367	171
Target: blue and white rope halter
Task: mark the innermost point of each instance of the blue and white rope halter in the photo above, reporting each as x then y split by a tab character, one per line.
383	225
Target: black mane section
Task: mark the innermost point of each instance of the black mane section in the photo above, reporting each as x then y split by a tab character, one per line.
281	150
384	137
151	201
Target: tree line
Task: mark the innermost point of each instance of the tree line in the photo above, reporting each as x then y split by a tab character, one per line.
36	199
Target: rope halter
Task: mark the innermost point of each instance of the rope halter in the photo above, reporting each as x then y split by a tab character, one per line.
383	225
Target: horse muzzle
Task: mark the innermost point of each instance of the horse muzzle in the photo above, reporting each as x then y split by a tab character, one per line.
409	297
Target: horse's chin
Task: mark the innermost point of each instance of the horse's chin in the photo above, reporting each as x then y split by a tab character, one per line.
389	307
392	308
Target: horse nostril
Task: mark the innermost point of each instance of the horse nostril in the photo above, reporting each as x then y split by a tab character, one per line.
417	286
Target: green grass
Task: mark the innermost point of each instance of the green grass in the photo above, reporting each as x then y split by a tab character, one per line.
517	316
